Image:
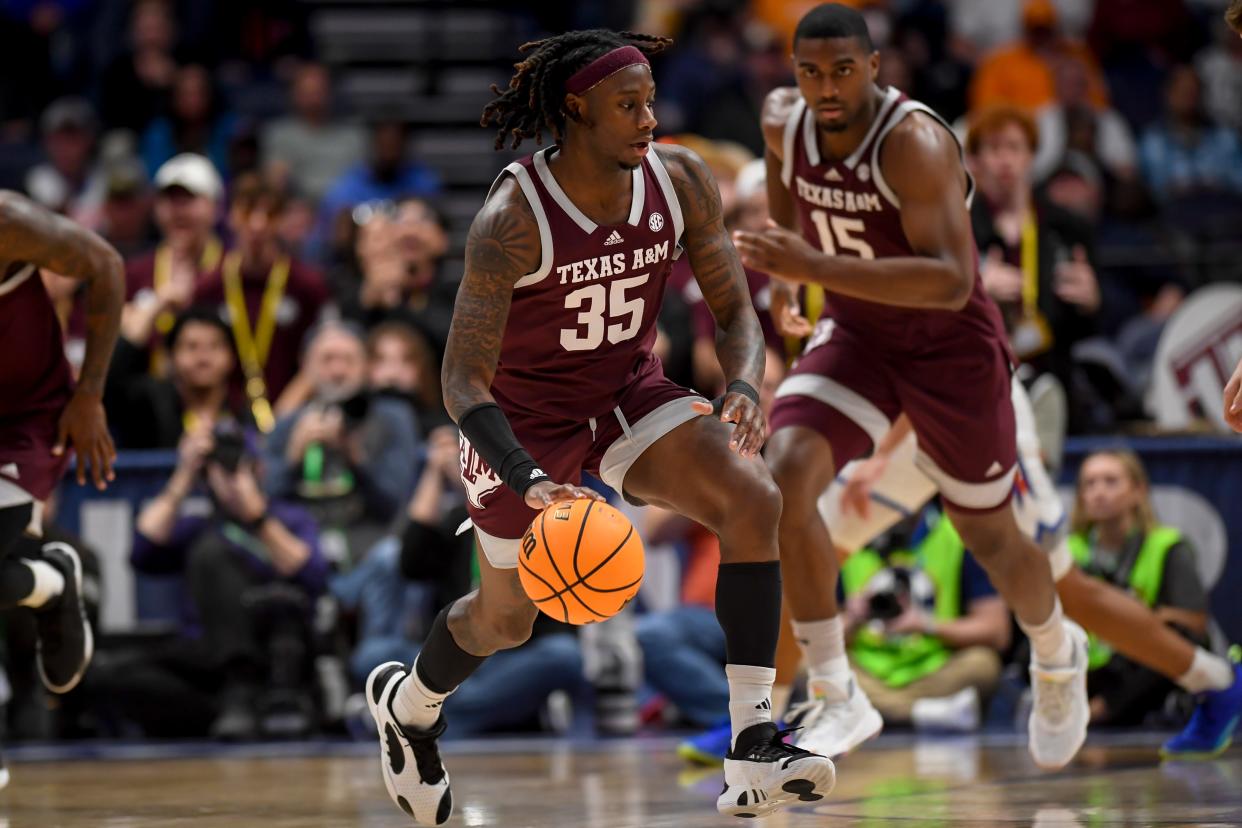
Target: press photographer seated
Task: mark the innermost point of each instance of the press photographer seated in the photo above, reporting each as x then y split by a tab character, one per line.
346	455
236	657
925	626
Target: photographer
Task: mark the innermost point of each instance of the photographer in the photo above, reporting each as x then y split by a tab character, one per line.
347	456
925	627
232	543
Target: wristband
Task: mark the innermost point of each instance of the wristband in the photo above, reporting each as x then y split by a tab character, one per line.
488	430
736	387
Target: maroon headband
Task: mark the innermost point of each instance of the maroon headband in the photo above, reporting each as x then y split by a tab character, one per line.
603	67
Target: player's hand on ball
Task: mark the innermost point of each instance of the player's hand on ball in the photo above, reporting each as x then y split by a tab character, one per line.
751	427
542	495
778	252
786	313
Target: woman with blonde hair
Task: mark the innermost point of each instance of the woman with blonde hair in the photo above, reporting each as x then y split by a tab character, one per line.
1116	537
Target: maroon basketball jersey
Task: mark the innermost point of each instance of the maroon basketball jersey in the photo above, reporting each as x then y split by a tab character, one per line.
34	374
582	326
846	208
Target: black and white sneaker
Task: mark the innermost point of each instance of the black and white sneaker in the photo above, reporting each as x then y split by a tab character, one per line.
4	772
764	774
66	643
409	758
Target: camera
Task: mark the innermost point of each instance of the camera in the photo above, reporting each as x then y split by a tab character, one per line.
890	594
229	447
355	409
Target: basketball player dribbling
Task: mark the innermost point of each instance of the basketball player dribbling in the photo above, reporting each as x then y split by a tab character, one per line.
877	186
549	371
42	414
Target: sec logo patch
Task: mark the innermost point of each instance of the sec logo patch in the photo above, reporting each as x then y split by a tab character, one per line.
655	221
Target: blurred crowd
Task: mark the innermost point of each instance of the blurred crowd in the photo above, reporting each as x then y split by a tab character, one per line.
290	283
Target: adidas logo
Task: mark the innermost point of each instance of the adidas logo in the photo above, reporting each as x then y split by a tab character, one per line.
433	706
832	174
994	469
537	472
10	470
764	705
614	238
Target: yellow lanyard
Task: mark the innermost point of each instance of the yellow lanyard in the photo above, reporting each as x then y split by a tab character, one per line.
813	299
161	274
254	344
1030	265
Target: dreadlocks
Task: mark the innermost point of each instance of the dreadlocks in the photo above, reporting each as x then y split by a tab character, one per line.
534	100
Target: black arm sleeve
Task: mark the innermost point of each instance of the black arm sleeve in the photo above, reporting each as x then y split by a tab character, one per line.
488	430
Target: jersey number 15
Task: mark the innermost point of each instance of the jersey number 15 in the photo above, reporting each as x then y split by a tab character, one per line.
598	301
841	228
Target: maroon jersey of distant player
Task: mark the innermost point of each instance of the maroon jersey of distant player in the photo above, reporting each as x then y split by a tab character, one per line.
846	208
35	382
581	328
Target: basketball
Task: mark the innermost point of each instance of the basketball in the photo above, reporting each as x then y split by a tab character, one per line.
581	561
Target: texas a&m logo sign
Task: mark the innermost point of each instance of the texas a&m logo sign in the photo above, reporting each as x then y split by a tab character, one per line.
478	477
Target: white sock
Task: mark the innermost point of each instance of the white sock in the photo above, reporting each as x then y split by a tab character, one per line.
750	696
1050	642
49	583
414	704
780	699
1207	672
823	645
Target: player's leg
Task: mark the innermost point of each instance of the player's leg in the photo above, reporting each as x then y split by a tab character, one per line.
737	500
406	703
49	582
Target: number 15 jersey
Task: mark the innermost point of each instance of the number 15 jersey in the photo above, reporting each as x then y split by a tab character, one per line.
581	328
846	208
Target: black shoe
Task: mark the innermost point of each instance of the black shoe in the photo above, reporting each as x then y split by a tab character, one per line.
237	721
409	758
66	643
763	774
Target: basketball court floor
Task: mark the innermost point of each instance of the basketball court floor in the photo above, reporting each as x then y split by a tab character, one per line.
622	784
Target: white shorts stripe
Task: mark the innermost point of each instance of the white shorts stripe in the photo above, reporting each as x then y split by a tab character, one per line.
857	408
502	553
642	435
970	495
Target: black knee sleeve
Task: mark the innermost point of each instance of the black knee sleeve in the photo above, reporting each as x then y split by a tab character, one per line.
748	606
442	664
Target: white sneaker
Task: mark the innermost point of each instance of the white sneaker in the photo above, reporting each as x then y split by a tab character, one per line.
836	721
764	774
409	759
1059	709
958	713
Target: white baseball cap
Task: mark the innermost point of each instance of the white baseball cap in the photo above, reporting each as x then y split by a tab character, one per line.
192	172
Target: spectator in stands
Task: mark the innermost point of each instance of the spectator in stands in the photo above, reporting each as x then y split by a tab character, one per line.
1116	537
402	365
346	454
1072	123
233	554
924	627
161	284
1187	154
1022	74
308	147
126	214
1035	256
389	174
196	122
135	85
149	412
397	270
1220	67
270	298
69	181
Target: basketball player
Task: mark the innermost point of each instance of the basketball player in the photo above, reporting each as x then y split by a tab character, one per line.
43	414
877	185
549	371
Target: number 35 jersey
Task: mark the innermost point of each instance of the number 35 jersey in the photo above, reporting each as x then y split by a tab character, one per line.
581	328
846	208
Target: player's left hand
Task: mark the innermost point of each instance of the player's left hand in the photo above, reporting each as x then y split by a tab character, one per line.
750	426
1233	400
84	424
778	252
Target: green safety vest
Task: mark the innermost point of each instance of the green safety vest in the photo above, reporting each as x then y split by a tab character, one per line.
902	660
1145	578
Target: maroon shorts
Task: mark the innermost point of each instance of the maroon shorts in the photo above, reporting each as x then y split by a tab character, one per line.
956	394
26	460
606	446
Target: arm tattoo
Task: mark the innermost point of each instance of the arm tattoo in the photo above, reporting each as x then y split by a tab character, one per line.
28	233
718	270
503	246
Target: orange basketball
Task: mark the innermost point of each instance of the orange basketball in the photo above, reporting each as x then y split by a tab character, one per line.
581	561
